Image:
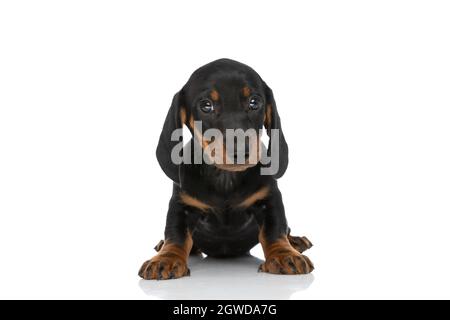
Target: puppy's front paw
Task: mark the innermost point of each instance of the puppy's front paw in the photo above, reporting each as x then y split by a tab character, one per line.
163	267
287	263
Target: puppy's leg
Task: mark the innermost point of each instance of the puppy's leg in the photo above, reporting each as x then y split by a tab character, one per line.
171	260
194	251
281	256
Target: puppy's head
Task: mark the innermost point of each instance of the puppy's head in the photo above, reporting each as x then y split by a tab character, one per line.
224	104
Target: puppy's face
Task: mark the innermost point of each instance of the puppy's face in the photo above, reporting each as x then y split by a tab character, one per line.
229	98
225	96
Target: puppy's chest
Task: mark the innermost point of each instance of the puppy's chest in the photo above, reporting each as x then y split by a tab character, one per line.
210	199
225	183
213	200
221	191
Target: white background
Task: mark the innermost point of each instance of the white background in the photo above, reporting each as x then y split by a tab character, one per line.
363	93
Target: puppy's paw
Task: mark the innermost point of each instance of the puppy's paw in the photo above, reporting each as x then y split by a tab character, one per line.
301	244
287	263
163	267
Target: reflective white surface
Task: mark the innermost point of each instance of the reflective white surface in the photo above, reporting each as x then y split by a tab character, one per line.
362	88
235	278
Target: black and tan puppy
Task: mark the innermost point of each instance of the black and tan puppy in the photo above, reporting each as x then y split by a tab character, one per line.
224	209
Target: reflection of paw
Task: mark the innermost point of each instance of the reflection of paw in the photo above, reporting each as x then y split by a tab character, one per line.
287	263
301	244
162	267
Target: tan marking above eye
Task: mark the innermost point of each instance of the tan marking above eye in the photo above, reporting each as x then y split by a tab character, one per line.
246	91
214	95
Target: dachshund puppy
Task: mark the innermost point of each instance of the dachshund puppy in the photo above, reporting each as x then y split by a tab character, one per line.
224	209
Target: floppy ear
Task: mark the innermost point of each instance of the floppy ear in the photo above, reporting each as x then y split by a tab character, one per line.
175	119
272	121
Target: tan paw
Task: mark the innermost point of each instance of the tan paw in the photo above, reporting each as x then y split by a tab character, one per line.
287	263
163	267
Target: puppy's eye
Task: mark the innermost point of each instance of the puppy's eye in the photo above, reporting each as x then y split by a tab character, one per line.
255	102
206	105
